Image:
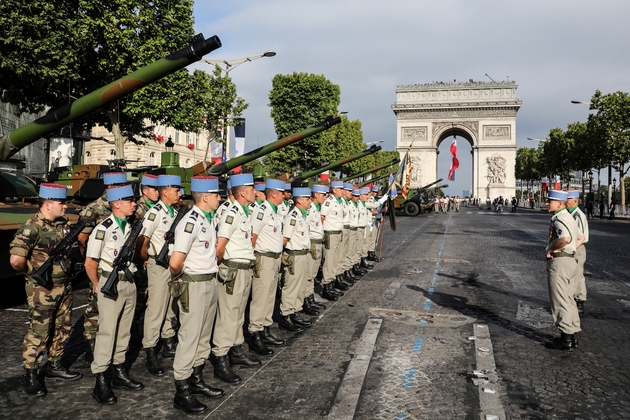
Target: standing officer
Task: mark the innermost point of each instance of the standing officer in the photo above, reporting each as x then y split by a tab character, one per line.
50	309
373	206
316	231
354	242
344	259
365	219
286	204
297	246
235	256
332	220
193	267
267	243
159	317
260	196
580	253
564	239
115	316
225	204
96	211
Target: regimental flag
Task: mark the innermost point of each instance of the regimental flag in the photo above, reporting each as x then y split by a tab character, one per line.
455	163
391	186
406	176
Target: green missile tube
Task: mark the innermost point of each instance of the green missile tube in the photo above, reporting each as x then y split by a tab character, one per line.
370	181
27	134
225	167
307	175
371	170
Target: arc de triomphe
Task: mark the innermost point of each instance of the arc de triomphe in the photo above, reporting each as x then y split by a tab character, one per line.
484	113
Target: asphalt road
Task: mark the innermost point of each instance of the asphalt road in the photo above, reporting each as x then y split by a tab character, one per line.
450	325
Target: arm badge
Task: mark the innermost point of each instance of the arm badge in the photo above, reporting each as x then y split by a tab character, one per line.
189	227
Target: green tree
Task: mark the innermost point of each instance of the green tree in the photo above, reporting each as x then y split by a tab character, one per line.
527	166
298	101
56	51
557	158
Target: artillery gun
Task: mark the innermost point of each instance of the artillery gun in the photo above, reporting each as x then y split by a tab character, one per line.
371	171
417	202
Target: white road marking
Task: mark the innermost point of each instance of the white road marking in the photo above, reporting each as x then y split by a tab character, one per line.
489	400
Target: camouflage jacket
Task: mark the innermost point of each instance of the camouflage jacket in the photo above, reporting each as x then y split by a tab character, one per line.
141	209
36	238
96	211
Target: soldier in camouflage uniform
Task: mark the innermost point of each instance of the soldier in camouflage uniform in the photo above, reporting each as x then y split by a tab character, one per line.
50	309
97	211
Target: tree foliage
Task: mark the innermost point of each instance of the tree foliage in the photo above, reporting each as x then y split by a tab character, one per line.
55	51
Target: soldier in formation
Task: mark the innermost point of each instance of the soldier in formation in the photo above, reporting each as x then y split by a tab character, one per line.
562	270
582	223
50	308
332	212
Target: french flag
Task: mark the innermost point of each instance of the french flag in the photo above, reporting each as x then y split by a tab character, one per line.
455	163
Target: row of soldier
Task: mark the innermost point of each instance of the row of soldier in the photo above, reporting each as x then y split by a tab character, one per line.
446	204
217	262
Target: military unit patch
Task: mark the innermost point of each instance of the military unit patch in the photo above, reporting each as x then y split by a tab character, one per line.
292	222
26	231
189	227
260	216
100	235
152	216
327	204
89	212
229	220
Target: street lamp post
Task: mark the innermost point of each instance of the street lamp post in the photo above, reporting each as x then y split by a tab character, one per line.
227	66
614	188
590	182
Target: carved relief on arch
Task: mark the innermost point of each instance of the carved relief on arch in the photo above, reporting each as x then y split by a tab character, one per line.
472	127
410	134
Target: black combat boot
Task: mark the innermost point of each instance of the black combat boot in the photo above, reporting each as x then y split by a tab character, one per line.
328	294
169	345
258	346
185	401
366	264
300	322
564	342
102	391
287	324
199	387
121	379
56	371
372	256
351	275
239	358
580	306
574	341
89	353
339	284
32	385
309	309
314	303
357	270
269	339
153	364
349	278
223	371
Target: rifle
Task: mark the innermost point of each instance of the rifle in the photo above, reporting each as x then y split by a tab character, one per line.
59	254
121	262
169	237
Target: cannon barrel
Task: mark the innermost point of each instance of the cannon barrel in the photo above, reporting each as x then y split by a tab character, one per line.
372	170
59	117
429	185
370	181
307	175
225	167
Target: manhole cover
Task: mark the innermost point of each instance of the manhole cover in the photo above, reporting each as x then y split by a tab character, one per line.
394	313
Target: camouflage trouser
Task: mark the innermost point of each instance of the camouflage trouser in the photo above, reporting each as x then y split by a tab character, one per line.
50	313
90	322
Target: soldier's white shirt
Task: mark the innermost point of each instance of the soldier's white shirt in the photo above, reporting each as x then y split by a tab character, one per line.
283	209
156	223
195	236
235	226
346	211
353	214
222	208
364	214
268	226
295	228
252	208
314	219
563	226
105	242
332	210
582	222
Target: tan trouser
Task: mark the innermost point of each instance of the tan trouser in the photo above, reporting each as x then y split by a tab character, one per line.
561	275
264	294
331	258
228	331
196	328
351	250
313	268
365	242
374	236
580	285
159	315
293	290
343	252
114	326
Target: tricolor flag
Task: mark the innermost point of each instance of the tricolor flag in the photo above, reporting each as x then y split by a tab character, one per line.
392	186
455	163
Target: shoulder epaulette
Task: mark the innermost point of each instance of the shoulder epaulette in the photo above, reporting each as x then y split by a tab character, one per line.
193	215
158	206
294	213
263	207
107	222
234	209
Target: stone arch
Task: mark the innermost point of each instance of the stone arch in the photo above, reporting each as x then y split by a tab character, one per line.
483	113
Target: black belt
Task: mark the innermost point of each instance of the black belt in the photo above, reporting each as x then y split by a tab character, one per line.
238	265
297	251
198	277
346	226
273	255
353	228
333	232
121	276
317	241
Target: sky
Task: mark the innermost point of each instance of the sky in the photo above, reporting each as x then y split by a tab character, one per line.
556	51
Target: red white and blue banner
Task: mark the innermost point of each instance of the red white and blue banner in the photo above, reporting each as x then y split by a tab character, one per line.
455	163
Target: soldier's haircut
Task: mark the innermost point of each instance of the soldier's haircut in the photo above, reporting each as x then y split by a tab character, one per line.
41	201
197	196
237	190
269	191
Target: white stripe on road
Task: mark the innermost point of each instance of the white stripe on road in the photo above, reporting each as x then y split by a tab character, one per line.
489	400
347	398
26	310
